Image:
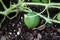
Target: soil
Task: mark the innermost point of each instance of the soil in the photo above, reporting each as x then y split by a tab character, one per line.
15	29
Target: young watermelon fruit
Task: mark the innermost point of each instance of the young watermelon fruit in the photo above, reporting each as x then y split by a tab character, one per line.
31	20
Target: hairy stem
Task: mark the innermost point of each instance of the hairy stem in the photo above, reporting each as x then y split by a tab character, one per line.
4	5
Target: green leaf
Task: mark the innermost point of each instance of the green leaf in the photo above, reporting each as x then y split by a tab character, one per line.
36	1
44	1
58	16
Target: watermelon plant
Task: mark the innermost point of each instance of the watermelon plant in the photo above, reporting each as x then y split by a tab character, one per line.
31	18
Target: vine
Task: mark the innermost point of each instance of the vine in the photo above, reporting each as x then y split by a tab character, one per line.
22	6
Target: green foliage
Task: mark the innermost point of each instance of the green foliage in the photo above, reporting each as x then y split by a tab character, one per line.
44	1
58	16
0	0
36	1
31	20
